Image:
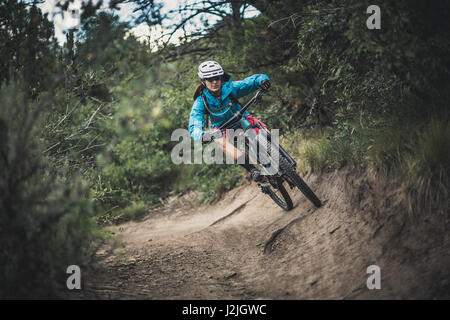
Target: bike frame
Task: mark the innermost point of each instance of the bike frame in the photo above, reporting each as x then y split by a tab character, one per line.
274	179
283	152
238	116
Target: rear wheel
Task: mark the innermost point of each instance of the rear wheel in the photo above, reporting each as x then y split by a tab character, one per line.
279	194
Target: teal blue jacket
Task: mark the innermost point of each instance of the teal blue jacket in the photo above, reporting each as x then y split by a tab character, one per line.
237	88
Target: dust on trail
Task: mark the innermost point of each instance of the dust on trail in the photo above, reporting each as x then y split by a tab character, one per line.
246	247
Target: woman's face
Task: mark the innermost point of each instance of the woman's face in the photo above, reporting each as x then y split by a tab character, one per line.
214	84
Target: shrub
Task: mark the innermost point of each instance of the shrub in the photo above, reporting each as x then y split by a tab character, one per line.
45	216
426	174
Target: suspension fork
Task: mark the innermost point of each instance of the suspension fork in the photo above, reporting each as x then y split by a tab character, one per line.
282	151
261	159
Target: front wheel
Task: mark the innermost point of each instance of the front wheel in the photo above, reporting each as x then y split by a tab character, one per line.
295	179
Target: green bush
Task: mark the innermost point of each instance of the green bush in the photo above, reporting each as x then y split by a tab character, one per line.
425	174
213	180
45	215
117	214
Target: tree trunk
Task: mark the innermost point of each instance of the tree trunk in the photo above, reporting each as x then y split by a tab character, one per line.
236	7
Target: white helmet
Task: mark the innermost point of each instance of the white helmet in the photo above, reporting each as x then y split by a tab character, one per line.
209	69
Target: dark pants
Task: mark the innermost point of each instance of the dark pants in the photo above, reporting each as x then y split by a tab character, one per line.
247	165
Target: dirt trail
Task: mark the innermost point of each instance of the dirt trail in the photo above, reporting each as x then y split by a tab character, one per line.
245	247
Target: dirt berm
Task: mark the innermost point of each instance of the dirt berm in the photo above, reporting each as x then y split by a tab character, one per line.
245	247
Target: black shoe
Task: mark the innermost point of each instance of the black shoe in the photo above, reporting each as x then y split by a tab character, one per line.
255	174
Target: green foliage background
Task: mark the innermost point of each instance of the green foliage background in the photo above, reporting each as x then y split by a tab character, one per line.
85	127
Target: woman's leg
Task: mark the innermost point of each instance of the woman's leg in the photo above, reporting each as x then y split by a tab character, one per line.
228	148
238	157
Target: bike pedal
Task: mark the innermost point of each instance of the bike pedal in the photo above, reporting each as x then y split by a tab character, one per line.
264	186
256	175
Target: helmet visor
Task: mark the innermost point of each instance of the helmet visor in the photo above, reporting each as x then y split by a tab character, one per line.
211	79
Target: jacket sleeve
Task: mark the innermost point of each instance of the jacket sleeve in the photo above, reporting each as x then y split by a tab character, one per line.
248	85
196	120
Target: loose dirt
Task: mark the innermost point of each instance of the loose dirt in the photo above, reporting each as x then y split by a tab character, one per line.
246	247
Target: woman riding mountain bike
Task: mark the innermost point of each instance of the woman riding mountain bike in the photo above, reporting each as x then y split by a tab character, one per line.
216	97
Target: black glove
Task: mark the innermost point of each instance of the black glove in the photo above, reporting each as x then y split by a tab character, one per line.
265	85
210	136
206	137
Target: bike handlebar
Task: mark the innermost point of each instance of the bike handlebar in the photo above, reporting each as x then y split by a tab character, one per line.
238	115
234	119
